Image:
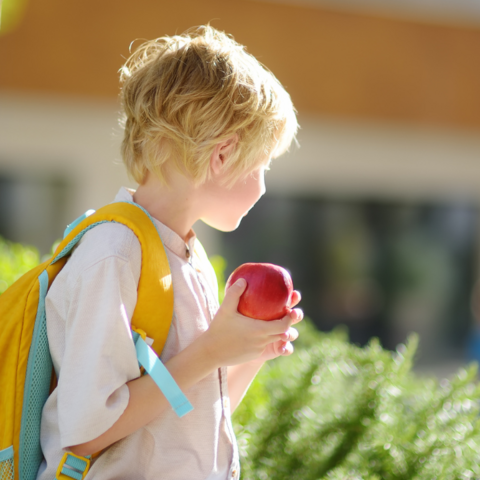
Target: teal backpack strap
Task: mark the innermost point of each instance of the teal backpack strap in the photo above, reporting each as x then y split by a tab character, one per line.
148	359
80	219
37	382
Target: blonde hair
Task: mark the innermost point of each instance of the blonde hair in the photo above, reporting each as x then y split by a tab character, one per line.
182	95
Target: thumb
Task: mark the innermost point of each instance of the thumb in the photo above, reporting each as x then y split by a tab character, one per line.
233	294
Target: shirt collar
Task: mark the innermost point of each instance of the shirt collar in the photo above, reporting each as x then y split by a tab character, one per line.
170	239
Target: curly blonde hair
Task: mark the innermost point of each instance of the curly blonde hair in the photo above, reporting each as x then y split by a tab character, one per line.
182	95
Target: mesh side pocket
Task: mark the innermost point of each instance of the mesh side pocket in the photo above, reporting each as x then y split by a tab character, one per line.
37	386
6	464
41	370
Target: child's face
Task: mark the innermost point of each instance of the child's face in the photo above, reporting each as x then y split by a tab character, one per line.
227	206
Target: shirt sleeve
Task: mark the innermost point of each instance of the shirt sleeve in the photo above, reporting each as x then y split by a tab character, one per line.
99	356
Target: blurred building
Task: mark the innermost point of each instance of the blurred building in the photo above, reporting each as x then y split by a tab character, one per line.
376	214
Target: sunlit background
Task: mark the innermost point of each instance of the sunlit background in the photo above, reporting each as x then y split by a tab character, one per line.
376	214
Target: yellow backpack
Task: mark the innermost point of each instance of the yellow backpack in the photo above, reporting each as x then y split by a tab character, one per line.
26	371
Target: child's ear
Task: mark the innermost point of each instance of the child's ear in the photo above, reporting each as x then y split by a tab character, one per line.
221	152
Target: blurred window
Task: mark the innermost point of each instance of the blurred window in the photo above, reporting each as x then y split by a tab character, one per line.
32	209
382	269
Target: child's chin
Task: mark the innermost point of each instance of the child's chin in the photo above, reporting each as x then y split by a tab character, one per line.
228	228
224	227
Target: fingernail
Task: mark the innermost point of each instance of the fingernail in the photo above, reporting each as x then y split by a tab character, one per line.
240	282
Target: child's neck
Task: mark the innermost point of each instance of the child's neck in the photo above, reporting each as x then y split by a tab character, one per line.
173	205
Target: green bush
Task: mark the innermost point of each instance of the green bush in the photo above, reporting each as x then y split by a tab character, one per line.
336	411
15	260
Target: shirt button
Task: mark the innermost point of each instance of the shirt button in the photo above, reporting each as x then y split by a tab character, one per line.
225	403
234	473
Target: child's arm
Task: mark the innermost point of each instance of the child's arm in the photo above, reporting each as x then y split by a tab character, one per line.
231	340
146	401
241	376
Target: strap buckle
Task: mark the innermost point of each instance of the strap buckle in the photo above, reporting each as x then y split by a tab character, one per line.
72	467
140	332
136	332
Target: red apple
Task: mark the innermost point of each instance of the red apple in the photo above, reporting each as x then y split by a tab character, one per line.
268	293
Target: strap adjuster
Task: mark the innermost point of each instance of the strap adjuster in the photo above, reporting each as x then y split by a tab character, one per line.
72	467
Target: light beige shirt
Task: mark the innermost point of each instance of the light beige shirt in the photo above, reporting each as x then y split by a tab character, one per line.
88	310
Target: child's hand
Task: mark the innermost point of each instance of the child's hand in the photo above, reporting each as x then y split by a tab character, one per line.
233	339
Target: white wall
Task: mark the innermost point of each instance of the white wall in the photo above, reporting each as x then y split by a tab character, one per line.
380	160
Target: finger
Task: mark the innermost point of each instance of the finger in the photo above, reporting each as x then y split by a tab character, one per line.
276	327
280	347
295	299
233	294
290	335
287	349
296	315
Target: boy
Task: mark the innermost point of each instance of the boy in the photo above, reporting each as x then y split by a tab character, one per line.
202	121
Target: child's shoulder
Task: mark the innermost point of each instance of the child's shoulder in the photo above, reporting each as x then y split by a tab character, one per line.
103	242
